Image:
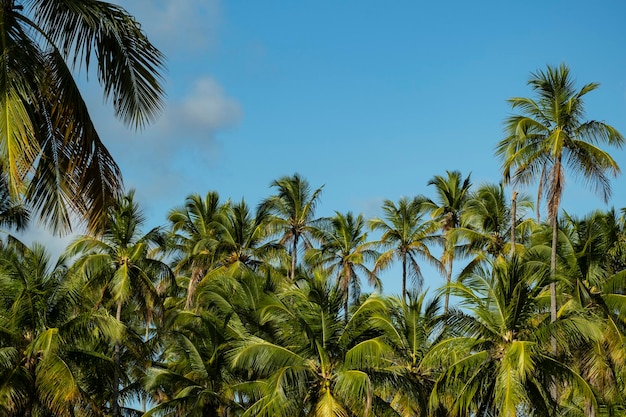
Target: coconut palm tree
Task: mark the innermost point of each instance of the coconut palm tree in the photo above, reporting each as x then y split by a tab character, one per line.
604	363
118	265
551	135
488	226
502	365
406	236
191	376
13	213
51	349
616	230
292	214
346	252
587	281
243	238
415	326
314	363
51	153
195	228
452	193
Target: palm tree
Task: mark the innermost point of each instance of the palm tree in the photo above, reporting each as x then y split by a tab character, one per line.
119	266
195	228
50	347
616	230
406	236
499	365
550	135
191	377
13	213
488	225
345	252
243	239
50	152
452	193
314	363
293	214
584	245
415	326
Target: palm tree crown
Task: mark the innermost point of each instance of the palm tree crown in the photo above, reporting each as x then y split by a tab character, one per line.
345	252
293	213
406	236
551	134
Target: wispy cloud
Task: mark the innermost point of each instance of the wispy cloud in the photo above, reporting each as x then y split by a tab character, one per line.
177	26
206	107
189	122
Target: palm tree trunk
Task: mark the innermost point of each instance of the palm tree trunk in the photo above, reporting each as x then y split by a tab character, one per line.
553	346
555	237
590	411
404	276
540	193
144	398
513	221
116	370
446	302
294	256
447	258
196	276
346	299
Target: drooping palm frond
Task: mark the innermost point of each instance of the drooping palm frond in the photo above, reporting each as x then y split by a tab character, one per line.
49	149
128	64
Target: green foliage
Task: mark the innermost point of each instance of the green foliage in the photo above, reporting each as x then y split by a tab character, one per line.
407	237
50	152
52	352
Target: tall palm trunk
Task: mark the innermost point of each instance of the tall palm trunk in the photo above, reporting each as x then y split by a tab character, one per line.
447	261
448	281
553	306
404	276
144	398
116	370
346	294
294	256
513	221
196	277
554	211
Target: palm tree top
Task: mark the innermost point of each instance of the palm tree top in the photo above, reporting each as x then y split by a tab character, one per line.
452	191
551	133
294	200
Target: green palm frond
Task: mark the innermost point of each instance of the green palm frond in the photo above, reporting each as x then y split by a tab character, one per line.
328	406
128	64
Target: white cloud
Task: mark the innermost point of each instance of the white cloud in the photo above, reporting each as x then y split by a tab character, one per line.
207	107
193	120
177	25
189	121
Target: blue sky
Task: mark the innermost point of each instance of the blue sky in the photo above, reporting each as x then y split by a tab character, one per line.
370	99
